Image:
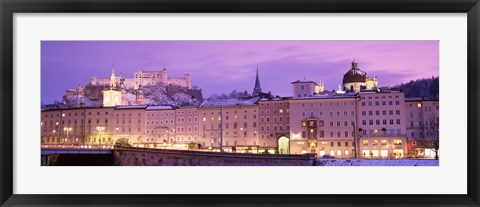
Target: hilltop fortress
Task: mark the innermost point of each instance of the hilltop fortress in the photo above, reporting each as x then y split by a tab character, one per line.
147	78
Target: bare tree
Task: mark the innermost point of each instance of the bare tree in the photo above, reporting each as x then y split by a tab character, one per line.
431	136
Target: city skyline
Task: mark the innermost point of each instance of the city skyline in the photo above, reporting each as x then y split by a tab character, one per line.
279	62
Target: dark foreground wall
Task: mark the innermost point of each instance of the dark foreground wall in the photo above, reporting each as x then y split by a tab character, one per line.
163	157
77	160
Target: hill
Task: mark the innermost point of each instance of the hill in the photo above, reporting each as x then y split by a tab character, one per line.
425	87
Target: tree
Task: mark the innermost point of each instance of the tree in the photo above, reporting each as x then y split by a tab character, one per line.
431	135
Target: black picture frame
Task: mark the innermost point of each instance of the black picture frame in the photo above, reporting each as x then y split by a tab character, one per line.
10	7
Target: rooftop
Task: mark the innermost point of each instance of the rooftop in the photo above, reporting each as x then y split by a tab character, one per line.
132	107
303	81
159	108
330	96
248	101
412	99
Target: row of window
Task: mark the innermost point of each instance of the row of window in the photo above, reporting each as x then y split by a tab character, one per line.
383	142
377	103
384	112
161	114
275	111
264	128
330	104
227	134
274	104
381	122
320	113
321	133
377	97
275	119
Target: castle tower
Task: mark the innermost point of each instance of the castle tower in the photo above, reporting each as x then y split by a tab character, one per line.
113	80
112	96
257	89
188	79
140	98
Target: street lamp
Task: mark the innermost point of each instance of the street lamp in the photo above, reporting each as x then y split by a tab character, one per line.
67	129
100	130
53	132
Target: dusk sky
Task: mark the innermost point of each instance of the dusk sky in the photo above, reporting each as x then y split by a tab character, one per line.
222	66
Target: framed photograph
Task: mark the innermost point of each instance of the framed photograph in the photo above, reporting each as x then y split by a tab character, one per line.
200	103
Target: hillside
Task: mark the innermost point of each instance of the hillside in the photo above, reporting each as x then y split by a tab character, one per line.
425	87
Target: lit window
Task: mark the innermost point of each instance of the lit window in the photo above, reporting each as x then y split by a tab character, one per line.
375	142
384	142
365	142
339	152
419	105
397	142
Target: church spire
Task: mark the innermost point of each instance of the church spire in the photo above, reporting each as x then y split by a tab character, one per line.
257	89
113	80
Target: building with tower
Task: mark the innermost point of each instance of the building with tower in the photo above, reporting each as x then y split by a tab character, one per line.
147	78
257	89
359	119
112	96
357	80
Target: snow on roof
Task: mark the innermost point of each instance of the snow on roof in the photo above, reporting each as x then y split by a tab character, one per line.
159	108
330	95
277	98
132	107
249	101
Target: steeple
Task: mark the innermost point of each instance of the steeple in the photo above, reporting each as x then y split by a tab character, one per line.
113	80
257	89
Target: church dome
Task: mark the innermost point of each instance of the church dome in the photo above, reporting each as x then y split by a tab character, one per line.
79	101
354	75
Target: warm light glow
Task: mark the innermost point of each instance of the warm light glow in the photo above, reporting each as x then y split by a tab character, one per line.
384	142
365	142
419	105
56	123
366	153
63	115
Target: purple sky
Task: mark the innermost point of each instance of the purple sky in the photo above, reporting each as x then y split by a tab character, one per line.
222	66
